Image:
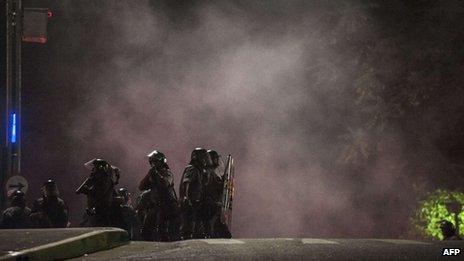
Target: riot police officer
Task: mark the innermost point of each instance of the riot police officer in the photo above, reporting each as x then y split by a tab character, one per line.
17	215
49	211
448	231
124	199
157	204
192	195
213	198
102	175
103	207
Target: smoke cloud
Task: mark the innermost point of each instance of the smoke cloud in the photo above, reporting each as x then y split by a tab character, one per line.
272	83
230	80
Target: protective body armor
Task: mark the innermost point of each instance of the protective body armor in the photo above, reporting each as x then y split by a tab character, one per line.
104	209
157	205
15	217
192	186
50	213
192	196
161	181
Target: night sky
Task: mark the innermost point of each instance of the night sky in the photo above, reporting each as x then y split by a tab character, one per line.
340	114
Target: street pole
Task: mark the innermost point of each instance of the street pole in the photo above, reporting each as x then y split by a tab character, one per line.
12	93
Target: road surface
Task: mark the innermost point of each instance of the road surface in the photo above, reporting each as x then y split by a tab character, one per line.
281	249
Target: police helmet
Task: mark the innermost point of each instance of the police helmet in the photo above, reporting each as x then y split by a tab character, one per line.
445	225
17	194
123	192
18	198
214	157
49	183
50	188
98	165
156	158
199	155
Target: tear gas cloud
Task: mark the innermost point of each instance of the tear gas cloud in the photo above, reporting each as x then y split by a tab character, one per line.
268	82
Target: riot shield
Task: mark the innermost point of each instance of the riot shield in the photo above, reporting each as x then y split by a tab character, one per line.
228	192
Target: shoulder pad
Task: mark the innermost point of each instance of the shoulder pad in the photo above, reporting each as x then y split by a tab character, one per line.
166	166
190	168
61	201
145	193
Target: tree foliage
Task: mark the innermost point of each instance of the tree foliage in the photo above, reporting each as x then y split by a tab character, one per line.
410	84
433	209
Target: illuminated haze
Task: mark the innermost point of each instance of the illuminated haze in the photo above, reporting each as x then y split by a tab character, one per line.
271	84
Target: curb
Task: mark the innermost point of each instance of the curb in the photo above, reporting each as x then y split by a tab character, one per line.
74	246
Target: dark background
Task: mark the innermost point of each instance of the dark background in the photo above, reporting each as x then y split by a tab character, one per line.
340	114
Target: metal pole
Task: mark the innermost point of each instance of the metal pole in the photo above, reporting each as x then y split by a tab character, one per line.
12	149
8	91
14	104
17	97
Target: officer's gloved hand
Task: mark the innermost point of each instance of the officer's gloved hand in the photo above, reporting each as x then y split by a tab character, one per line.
91	211
186	202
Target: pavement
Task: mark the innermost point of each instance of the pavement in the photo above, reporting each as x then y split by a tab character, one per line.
112	244
281	249
59	243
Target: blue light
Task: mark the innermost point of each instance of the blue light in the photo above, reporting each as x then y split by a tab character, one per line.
13	128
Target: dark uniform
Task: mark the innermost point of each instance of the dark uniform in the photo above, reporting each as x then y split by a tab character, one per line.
213	198
192	195
103	207
157	204
49	211
128	212
124	197
448	231
16	216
